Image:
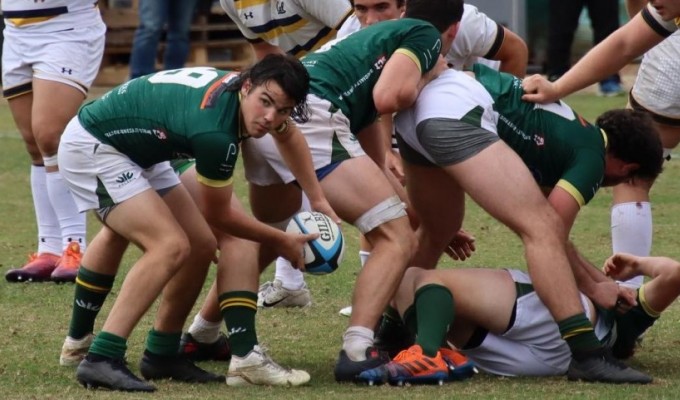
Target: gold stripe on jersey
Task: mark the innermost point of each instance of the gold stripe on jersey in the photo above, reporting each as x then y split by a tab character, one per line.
571	189
241	4
330	36
283	30
28	21
213	182
409	54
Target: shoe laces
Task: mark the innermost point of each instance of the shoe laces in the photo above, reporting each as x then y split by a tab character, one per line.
32	257
72	256
412	353
268	361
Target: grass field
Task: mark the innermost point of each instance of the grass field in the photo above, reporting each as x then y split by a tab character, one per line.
34	317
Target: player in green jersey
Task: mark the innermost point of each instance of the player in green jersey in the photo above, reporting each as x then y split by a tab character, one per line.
450	147
114	156
377	70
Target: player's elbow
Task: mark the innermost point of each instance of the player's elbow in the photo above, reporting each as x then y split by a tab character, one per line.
672	273
389	102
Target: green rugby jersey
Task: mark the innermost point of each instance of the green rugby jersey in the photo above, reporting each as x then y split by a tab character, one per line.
344	71
559	146
183	113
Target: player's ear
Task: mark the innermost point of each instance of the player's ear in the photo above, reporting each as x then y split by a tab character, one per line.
246	86
453	30
630	168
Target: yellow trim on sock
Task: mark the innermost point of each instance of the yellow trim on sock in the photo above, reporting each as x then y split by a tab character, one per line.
91	287
645	306
575	332
239	301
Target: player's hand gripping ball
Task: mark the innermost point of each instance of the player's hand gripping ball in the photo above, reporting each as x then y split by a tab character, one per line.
324	254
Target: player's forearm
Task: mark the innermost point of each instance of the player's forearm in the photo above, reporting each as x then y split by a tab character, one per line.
239	224
297	156
587	276
656	266
393	101
609	56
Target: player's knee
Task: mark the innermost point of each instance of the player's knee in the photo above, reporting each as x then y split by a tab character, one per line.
175	249
413	276
387	210
47	139
204	247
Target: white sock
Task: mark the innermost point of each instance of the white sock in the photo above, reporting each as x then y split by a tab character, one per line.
71	222
363	256
355	341
205	331
291	278
631	225
49	234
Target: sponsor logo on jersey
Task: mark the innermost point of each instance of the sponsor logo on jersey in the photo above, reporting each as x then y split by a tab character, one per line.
65	70
159	133
279	7
227	167
248	15
125	178
380	62
539	140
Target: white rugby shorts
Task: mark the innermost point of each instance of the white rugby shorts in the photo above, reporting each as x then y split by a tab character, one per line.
99	175
69	56
533	346
327	133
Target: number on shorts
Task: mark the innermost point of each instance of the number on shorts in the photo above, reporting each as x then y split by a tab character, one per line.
196	77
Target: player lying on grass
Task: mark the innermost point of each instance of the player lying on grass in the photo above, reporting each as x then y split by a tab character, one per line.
450	147
512	332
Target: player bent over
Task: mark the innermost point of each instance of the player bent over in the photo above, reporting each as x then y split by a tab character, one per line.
463	154
114	157
349	89
512	333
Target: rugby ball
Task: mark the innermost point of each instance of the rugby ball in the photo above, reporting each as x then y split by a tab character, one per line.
324	254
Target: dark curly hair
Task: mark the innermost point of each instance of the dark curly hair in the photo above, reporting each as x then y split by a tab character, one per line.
440	13
287	72
632	138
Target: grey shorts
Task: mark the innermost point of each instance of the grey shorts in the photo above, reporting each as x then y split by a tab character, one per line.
445	141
